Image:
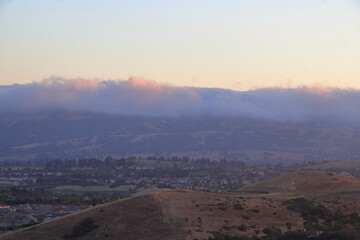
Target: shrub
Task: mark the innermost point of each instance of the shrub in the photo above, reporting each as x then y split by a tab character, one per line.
238	207
266	230
227	227
242	228
254	210
288	226
85	226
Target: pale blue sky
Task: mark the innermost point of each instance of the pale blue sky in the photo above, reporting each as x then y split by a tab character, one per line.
238	44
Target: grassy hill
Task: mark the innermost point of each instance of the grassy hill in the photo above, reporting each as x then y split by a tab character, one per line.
132	218
294	201
306	184
334	166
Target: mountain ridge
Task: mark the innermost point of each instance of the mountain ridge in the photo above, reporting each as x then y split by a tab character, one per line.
77	135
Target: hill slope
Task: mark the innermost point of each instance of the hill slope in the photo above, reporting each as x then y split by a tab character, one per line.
168	215
183	214
76	135
310	183
131	218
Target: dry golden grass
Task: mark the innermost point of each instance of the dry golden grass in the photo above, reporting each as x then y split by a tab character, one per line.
334	166
183	214
131	218
307	184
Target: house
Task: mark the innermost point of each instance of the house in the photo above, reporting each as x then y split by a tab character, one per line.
53	216
4	223
28	220
40	217
49	217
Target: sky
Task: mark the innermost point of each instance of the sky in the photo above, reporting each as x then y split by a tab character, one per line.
232	44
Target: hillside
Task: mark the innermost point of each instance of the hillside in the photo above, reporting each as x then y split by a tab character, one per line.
306	184
333	166
131	218
183	214
52	135
168	215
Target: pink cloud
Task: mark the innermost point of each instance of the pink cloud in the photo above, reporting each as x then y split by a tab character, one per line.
82	84
141	83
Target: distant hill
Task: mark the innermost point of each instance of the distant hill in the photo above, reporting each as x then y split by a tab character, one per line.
307	184
74	135
295	201
333	166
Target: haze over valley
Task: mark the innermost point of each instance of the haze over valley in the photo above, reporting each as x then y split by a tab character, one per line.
72	118
179	120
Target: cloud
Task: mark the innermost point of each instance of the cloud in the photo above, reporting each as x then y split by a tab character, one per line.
135	96
138	96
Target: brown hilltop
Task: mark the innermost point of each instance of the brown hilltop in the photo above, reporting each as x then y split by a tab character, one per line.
306	184
183	214
168	215
131	218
